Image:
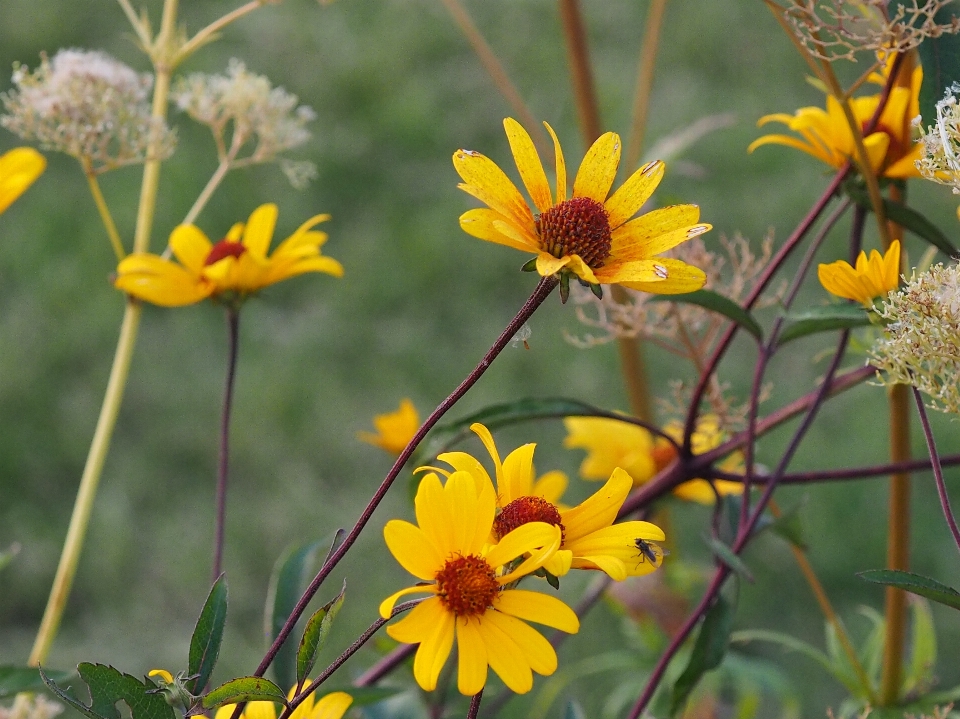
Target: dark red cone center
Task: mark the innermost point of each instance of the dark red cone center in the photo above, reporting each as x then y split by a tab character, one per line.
523	510
576	227
224	248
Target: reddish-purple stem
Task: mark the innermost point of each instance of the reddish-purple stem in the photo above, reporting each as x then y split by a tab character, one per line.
877	470
233	332
937	468
475	705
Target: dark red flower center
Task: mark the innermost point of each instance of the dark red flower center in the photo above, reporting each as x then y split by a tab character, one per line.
224	248
576	227
523	510
467	585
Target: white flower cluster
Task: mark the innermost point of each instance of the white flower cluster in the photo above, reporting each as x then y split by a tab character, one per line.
921	343
88	105
941	143
257	112
34	707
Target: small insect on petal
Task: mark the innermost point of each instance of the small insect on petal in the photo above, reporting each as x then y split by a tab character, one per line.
661	271
649	552
470	153
697	230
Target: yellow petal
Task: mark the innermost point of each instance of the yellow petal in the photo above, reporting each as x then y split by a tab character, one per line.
628	200
303	236
551	486
463	462
528	164
560	166
487	182
412	549
506	657
655	232
597	511
160	281
432	513
537	651
162	673
462	503
539	608
487	439
559	564
386	606
19	168
190	246
332	706
549	265
876	146
613	567
419	622
259	229
480	223
680	277
472	668
581	269
517	478
433	652
260	710
521	540
598	169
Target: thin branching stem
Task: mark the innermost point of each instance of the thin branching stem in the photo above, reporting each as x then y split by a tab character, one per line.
208	33
109	225
841	475
937	465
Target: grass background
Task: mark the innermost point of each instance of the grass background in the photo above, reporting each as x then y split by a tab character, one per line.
396	90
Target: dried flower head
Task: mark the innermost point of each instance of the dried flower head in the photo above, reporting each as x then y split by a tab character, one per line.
839	29
262	118
941	143
36	707
88	105
921	343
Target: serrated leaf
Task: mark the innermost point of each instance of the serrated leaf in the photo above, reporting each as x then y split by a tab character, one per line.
315	635
207	636
15	679
915	584
707	653
940	58
823	319
244	689
716	303
108	686
727	556
574	711
287	582
904	216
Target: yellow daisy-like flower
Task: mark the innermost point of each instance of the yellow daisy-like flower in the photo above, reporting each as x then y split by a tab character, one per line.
237	265
871	278
610	444
394	429
589	235
826	134
591	540
19	167
466	577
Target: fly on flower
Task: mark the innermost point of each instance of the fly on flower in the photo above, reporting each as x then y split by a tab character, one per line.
589	236
649	552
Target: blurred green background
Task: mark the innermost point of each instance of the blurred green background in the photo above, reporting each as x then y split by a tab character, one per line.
396	90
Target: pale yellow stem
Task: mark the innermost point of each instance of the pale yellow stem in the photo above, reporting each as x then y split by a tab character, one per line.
80	519
86	493
104	211
136	23
641	96
207	34
490	61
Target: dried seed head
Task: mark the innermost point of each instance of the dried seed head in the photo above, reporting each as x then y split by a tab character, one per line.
264	120
88	105
921	343
941	143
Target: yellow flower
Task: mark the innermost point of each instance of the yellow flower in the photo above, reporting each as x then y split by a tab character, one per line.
826	134
868	280
466	576
394	429
19	167
588	235
590	539
237	264
611	444
332	706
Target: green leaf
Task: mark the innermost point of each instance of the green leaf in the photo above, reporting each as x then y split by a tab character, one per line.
287	582
823	319
727	556
7	555
923	649
207	636
107	687
574	711
14	679
707	653
716	303
789	527
797	645
915	584
315	635
244	689
908	218
940	57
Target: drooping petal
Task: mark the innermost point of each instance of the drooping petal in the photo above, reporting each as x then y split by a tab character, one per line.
537	651
521	540
597	511
581	269
549	265
560	166
539	608
386	606
19	168
505	657
598	169
258	232
412	549
488	183
472	667
479	222
631	195
655	232
528	164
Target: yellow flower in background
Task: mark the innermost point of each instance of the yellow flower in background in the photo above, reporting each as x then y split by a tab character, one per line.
332	706
611	443
237	264
19	167
826	134
589	235
871	278
450	553
394	429
590	539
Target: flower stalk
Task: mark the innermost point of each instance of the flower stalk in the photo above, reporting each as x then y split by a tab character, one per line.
223	467
115	242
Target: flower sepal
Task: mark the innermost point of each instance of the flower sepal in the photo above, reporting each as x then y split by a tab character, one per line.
174	689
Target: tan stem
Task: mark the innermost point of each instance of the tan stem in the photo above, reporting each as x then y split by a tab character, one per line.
646	66
208	33
104	211
578	54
